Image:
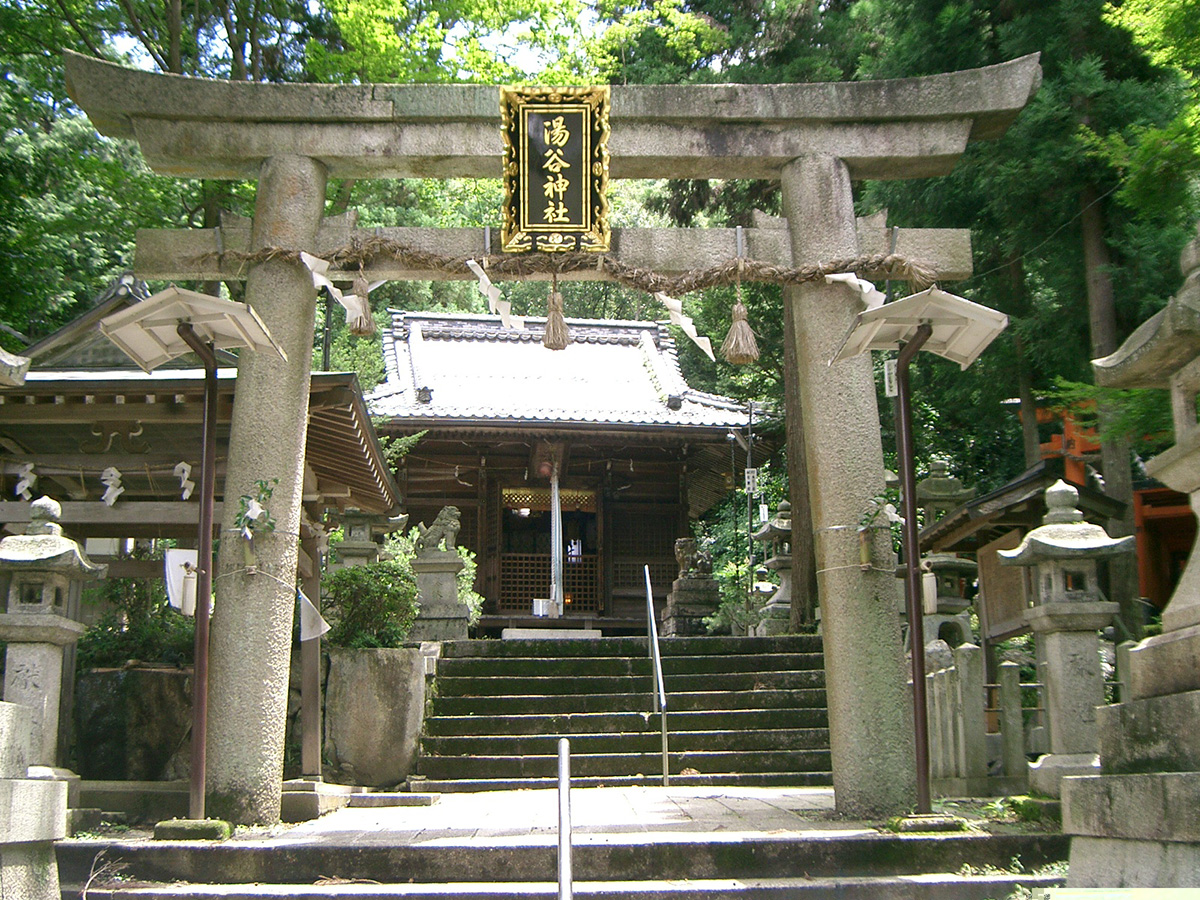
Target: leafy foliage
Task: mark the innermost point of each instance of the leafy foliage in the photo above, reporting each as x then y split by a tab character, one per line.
373	605
140	624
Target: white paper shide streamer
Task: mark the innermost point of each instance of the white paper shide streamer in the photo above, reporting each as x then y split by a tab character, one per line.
498	306
358	310
312	625
871	296
183	471
111	479
685	323
26	482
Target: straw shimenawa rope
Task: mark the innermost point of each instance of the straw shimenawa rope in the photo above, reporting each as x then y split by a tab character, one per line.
363	253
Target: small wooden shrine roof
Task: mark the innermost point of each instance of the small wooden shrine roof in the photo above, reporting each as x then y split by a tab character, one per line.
73	424
464	369
1020	504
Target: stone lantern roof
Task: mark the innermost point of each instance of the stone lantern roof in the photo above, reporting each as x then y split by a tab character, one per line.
1064	535
44	547
778	527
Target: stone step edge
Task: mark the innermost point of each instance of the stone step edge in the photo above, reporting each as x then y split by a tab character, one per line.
932	886
815	778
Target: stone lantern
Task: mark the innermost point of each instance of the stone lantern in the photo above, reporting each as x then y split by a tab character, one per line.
777	535
1063	554
363	532
940	493
42	575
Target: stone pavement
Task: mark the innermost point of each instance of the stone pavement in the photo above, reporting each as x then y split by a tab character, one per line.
598	815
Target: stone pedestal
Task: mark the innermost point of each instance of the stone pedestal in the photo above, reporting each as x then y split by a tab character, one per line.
693	597
33	814
777	614
441	616
374	709
1074	689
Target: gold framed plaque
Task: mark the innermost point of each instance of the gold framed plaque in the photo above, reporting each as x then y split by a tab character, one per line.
555	169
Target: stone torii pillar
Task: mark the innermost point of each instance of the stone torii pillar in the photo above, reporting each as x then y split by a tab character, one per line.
816	138
252	623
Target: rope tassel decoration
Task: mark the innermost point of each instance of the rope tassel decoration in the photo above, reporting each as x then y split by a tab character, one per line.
740	347
358	318
557	334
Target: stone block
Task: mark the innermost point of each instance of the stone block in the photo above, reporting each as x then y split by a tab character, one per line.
1046	774
1166	664
1154	807
1146	735
16	728
134	723
29	872
1100	863
304	799
140	801
374	709
32	811
192	830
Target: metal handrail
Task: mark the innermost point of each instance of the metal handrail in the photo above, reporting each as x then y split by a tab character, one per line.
565	877
660	695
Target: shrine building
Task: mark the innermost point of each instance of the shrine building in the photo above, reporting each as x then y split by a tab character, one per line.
640	455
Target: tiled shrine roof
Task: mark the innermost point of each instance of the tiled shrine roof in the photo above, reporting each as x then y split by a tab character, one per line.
471	369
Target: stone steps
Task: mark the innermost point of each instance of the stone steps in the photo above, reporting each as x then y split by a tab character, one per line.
941	886
740	711
860	865
638	741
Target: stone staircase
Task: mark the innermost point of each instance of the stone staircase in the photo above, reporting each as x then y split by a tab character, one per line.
741	711
837	866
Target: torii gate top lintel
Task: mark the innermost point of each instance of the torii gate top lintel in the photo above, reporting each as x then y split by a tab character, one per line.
197	127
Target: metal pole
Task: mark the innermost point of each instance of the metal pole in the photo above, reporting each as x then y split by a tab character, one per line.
749	502
565	885
208	468
912	559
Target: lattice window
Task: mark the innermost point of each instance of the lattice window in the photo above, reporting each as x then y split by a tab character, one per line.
638	539
538	499
525	577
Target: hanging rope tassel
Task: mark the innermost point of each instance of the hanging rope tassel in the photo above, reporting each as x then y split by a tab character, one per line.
740	347
557	334
359	319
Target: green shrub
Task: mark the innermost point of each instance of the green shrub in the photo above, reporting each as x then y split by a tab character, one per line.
140	625
370	606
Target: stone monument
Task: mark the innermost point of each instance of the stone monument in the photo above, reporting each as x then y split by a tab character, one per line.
33	814
1136	824
441	616
776	533
1063	552
694	594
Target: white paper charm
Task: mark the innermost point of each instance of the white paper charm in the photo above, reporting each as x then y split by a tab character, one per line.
311	624
183	471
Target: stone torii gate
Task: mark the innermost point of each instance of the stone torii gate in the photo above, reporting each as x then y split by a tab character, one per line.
814	138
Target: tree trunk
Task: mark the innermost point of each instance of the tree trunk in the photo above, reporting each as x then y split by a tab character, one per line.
804	559
1114	453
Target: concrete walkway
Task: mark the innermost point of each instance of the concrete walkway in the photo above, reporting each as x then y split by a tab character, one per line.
599	815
